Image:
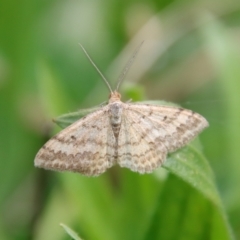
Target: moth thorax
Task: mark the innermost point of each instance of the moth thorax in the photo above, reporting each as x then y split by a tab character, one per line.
115	114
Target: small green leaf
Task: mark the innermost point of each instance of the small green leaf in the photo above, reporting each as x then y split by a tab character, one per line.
70	232
67	119
132	91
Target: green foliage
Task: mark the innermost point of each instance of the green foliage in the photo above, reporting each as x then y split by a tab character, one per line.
193	198
190	54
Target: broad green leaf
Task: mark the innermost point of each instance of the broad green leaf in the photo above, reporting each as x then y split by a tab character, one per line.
191	166
187	206
183	213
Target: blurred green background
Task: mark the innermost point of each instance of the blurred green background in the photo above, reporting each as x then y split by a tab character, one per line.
190	56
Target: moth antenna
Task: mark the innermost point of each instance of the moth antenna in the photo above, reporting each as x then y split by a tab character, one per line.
127	66
91	61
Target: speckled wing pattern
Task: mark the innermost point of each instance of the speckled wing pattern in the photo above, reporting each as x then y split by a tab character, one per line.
136	136
87	146
149	132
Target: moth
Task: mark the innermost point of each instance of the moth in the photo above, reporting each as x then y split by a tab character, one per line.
133	135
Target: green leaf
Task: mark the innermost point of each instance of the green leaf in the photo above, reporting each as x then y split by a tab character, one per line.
183	213
223	50
70	232
52	94
188	205
67	119
191	166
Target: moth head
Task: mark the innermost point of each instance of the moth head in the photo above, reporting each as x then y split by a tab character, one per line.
114	96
